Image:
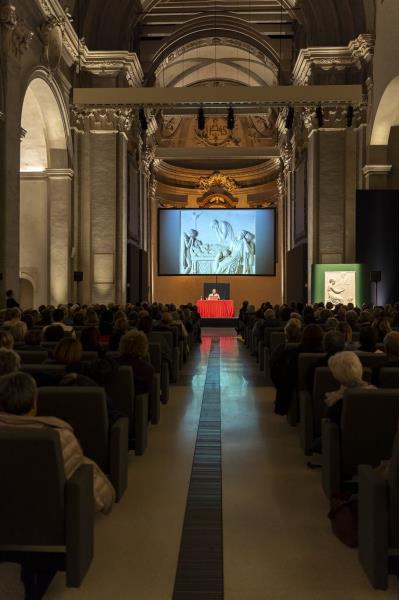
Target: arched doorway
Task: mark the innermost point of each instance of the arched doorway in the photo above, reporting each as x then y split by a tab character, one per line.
26	292
45	196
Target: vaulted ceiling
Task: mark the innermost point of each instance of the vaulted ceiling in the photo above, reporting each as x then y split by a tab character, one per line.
156	28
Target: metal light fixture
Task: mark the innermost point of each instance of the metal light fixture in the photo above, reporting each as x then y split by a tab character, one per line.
231	120
201	119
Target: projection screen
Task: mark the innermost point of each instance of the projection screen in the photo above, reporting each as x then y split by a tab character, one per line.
217	242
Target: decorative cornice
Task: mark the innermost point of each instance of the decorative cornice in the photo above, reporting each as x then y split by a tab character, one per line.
357	52
326	58
15	35
118	120
48	174
369	170
100	63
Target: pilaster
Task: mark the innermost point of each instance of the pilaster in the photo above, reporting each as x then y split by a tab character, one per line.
101	136
15	38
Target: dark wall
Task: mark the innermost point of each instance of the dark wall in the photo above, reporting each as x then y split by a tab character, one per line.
377	239
297	274
137	274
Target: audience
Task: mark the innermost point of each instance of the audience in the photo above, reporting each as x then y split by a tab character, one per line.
348	371
18	398
133	350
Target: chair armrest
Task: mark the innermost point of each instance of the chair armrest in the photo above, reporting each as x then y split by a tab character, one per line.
306	422
155	400
266	365
79	524
118	455
141	402
331	452
373	526
261	352
175	364
164	382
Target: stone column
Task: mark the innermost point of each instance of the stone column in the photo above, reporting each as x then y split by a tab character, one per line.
102	171
14	41
149	188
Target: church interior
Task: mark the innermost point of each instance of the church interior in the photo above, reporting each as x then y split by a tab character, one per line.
199	299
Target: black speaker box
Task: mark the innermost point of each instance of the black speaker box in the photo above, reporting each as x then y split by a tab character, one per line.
375	276
78	276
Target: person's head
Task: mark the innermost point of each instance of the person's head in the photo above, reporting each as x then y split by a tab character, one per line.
121	324
312	337
13	314
90	339
293	330
145	324
68	351
352	317
346	330
28	319
331	324
6	340
166	318
193	233
324	315
53	333
58	315
391	344
18	394
368	338
10	361
18	331
9	293
269	314
284	313
33	337
91	317
346	368
214	291
333	342
134	343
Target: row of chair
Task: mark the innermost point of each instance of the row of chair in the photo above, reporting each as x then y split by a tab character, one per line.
352	449
55	530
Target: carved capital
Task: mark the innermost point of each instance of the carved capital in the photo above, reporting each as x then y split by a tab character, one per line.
334	117
15	35
147	161
118	120
362	48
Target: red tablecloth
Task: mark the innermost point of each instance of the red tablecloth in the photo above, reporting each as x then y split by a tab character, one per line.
216	309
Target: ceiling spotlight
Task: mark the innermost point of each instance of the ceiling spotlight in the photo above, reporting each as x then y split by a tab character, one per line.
319	116
231	120
143	120
349	116
201	119
289	119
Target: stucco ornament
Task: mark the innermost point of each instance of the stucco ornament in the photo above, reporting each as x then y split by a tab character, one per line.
51	36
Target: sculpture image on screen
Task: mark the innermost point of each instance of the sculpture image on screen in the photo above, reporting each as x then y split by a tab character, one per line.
213	244
340	287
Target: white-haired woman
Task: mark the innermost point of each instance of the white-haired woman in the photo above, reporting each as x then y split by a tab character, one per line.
348	371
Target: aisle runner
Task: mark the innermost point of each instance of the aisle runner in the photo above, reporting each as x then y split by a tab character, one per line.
200	567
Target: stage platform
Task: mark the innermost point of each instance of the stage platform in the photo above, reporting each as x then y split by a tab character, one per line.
219	322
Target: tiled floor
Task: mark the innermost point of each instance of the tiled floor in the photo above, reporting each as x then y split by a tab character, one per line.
277	539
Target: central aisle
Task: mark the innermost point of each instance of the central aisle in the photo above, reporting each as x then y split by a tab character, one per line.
277	539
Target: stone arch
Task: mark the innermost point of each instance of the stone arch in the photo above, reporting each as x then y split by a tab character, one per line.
45	193
200	28
387	115
26	291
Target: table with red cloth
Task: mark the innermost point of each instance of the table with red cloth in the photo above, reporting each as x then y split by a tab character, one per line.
216	309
